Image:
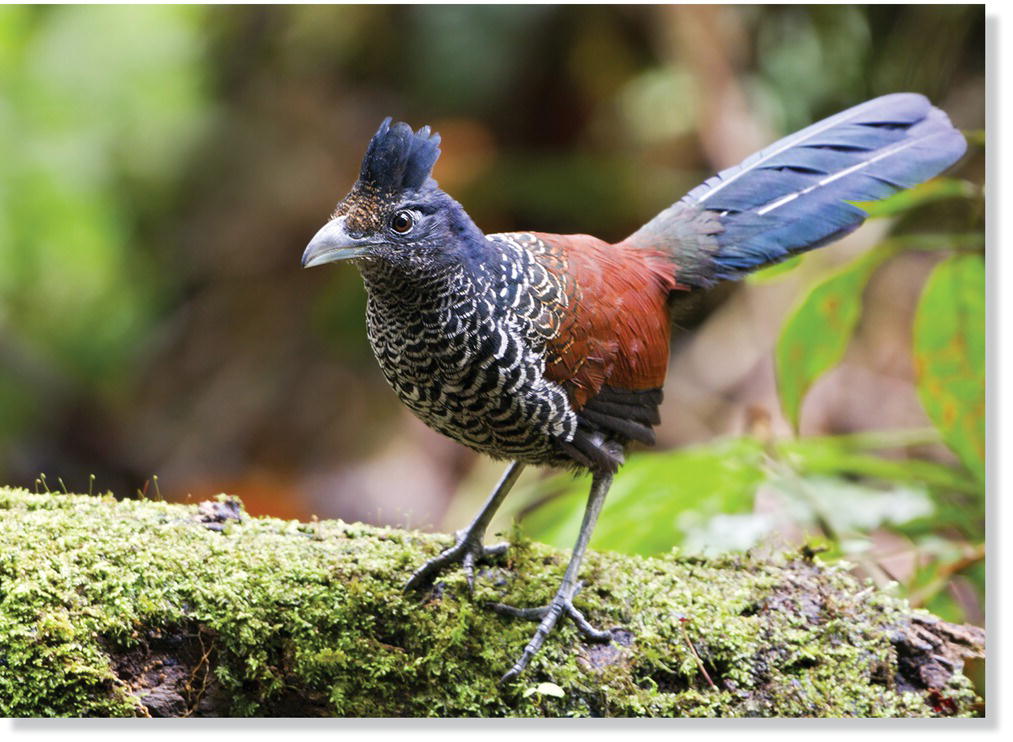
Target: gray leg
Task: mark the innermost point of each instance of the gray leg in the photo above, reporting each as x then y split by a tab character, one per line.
563	600
468	549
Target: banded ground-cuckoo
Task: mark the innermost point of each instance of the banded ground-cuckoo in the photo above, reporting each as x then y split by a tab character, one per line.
552	349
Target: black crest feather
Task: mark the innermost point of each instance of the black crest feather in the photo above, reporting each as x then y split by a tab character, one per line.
399	159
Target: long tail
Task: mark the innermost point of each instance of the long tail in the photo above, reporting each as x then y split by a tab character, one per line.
796	194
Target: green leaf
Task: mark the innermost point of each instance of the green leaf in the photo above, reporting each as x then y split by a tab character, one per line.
817	332
659	501
949	350
957	495
773	272
937	189
848	456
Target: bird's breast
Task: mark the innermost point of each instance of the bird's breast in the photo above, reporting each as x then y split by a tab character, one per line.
464	359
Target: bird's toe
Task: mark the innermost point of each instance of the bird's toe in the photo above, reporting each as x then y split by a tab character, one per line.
466	551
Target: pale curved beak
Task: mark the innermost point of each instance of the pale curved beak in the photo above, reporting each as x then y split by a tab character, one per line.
332	243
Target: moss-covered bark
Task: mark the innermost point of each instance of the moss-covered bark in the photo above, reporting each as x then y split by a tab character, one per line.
145	608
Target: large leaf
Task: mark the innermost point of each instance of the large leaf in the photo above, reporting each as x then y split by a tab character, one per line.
851	456
817	332
950	356
660	500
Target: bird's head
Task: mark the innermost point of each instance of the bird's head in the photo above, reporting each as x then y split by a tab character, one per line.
395	212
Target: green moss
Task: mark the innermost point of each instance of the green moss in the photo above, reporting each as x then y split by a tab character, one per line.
279	617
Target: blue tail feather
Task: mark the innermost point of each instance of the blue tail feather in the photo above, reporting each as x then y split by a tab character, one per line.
796	194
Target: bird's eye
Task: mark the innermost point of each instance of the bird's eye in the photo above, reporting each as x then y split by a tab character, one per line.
402	222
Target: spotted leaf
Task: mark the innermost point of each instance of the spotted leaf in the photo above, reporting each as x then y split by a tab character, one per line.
818	330
949	348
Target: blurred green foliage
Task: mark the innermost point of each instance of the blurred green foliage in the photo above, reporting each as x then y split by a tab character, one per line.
99	107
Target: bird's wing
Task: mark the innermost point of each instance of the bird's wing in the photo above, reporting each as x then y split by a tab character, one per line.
613	330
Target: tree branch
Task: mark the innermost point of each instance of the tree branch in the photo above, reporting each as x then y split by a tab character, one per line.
147	608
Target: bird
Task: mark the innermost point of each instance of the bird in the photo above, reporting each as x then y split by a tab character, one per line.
552	350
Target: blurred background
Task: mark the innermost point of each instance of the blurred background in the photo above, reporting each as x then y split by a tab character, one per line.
162	168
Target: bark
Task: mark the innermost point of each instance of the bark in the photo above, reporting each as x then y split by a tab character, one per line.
113	608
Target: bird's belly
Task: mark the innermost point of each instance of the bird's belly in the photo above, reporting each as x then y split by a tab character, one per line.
481	385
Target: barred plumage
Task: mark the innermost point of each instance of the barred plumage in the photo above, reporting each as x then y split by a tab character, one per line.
465	348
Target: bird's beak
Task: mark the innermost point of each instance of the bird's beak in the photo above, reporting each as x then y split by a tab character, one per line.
332	243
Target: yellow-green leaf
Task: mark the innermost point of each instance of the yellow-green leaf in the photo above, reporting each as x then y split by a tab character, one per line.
817	332
773	272
949	350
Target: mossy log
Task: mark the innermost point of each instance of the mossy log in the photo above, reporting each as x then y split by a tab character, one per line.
141	608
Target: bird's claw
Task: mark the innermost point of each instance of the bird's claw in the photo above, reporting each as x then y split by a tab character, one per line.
467	550
548	615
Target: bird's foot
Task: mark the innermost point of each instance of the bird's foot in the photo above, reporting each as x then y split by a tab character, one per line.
467	551
548	615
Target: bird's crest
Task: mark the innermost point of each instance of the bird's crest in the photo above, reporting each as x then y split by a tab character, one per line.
399	159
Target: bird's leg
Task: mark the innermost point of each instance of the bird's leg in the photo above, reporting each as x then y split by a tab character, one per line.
562	603
468	548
